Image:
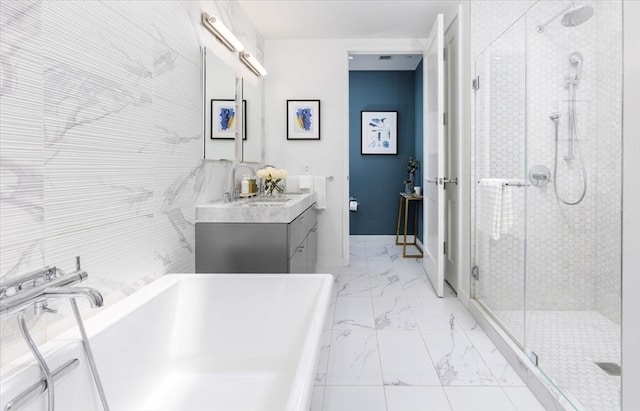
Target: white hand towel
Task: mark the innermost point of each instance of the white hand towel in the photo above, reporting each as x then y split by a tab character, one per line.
506	222
305	182
320	186
494	211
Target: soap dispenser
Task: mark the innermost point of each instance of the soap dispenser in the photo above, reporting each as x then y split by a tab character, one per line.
244	185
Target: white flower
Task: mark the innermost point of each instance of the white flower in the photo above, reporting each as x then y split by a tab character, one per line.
270	173
280	173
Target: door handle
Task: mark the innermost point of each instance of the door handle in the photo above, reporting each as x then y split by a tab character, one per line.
431	180
450	180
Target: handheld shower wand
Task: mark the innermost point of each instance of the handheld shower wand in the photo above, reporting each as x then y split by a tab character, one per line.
576	59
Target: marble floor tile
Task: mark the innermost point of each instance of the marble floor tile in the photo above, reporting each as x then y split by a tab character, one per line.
353	313
376	250
317	396
358	262
405	359
441	314
354	271
354	399
415	279
354	359
331	312
354	285
416	399
380	264
502	371
478	399
386	284
523	399
392	344
323	358
456	360
351	398
393	313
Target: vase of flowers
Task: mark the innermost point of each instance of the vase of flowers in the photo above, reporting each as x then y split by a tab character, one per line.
412	166
271	177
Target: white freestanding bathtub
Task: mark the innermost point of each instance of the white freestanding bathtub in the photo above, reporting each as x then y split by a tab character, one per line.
194	342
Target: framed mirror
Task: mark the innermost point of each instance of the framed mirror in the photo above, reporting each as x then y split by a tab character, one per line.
252	93
219	108
222	112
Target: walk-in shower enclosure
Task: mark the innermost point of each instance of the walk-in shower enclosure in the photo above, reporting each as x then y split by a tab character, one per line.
552	279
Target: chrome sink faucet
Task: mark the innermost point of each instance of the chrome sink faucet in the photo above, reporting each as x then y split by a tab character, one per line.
233	191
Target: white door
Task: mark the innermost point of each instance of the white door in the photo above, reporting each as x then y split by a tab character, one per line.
452	152
434	171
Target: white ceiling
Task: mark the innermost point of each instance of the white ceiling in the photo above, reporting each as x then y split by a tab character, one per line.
328	19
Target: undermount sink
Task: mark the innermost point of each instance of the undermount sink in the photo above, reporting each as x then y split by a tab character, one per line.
281	208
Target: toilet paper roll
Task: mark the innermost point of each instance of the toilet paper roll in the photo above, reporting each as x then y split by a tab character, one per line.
353	206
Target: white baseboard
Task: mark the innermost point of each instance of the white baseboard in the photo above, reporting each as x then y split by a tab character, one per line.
373	238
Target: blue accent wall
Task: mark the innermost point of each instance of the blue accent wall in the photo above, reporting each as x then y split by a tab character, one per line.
376	180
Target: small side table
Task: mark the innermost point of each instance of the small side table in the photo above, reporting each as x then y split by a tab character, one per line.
405	200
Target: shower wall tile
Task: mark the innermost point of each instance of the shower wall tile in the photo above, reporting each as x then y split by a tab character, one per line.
608	179
500	147
100	143
572	252
489	19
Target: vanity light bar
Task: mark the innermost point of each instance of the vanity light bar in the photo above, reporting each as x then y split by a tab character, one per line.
253	64
221	31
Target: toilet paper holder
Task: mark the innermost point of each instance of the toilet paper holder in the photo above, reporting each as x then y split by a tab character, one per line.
353	204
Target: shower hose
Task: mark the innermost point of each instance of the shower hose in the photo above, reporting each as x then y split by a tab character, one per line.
573	137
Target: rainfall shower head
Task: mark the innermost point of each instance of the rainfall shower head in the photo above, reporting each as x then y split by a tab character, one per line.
572	15
577	15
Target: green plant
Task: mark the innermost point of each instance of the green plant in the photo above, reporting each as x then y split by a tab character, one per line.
412	166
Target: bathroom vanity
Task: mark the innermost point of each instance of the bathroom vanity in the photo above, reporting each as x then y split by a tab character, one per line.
257	235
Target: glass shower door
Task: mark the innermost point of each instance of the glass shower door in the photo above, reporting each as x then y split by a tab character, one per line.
500	153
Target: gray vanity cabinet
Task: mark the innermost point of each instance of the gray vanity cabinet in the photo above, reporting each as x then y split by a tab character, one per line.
258	247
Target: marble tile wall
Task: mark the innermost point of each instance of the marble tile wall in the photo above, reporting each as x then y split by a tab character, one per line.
100	141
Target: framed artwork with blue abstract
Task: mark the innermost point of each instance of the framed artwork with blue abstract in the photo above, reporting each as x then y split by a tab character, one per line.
303	119
223	119
379	132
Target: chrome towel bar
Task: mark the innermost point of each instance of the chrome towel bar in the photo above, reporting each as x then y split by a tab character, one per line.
513	183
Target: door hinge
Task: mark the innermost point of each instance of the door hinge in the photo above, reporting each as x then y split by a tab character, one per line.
444	248
475	83
444	54
475	272
444	119
533	357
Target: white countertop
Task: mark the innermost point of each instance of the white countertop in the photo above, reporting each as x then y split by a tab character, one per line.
280	209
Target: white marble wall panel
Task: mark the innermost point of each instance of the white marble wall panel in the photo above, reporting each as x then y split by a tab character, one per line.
100	141
21	155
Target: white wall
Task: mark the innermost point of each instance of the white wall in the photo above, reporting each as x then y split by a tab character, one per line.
100	142
631	211
318	69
